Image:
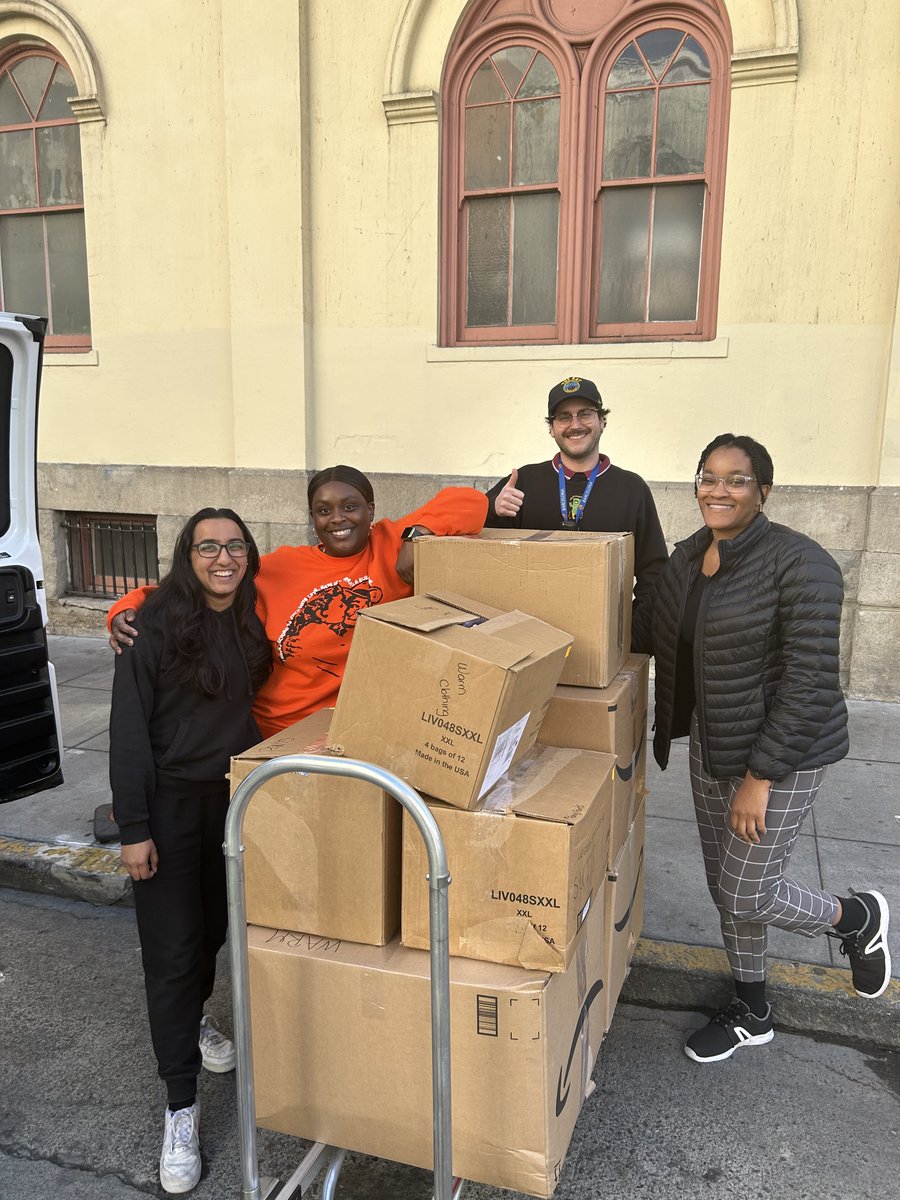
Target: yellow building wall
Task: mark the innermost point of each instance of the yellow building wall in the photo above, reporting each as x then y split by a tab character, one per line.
263	251
193	207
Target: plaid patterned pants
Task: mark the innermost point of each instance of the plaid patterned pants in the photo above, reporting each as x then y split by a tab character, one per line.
747	882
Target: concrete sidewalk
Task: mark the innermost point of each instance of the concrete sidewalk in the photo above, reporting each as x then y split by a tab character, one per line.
852	839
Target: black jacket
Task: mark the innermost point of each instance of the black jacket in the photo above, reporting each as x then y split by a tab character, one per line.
620	502
765	657
167	735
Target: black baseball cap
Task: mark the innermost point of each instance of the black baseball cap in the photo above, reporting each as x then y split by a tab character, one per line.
574	388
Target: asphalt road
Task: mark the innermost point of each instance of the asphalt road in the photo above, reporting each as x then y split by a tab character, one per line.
81	1107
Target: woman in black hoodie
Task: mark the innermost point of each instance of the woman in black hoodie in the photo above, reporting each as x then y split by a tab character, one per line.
746	630
180	708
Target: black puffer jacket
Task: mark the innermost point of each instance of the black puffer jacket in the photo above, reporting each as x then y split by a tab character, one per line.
766	653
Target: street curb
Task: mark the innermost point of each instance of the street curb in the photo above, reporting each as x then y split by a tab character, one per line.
88	873
806	998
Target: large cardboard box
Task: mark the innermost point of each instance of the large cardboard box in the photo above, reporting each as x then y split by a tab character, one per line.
624	910
612	720
321	854
577	581
446	692
342	1052
526	865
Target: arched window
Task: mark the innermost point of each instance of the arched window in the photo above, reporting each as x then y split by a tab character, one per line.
583	164
43	260
511	190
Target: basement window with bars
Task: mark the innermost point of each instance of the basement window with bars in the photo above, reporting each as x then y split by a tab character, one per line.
110	553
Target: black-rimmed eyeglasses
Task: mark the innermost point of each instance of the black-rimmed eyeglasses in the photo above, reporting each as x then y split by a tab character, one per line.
236	548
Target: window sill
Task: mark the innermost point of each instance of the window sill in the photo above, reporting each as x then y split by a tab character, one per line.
583	353
71	358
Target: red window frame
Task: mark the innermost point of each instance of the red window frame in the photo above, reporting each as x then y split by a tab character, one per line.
54	341
583	63
455	299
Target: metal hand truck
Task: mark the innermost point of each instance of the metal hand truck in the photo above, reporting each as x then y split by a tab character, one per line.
252	1188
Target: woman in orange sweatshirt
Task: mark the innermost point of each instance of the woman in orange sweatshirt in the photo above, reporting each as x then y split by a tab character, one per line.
308	597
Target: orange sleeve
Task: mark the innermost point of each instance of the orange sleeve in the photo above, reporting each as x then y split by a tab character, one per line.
454	510
130	600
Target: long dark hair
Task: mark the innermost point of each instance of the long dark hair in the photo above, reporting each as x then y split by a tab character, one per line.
760	458
341	474
180	602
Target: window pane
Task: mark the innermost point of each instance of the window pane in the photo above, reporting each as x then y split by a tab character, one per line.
690	65
68	273
658	46
32	75
487	146
675	261
628	135
535	235
56	106
12	110
487	291
512	63
629	70
59	164
681	130
22	264
541	80
536	141
485	85
18	187
623	247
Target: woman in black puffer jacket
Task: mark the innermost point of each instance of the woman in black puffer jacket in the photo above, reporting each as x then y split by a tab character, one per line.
745	629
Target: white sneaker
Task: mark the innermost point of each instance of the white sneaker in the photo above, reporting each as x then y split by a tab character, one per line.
216	1049
179	1163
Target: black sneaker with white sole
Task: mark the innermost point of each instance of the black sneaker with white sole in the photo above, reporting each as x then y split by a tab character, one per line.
867	950
729	1030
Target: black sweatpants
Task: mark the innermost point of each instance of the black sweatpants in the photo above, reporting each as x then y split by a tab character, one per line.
182	917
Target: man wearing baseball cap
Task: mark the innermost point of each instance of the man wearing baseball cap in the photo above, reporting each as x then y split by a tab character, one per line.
579	488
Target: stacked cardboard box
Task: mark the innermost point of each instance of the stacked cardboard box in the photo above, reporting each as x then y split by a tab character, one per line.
581	582
321	853
451	693
526	865
342	1052
576	581
612	720
445	692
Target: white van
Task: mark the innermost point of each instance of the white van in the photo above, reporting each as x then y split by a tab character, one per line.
30	741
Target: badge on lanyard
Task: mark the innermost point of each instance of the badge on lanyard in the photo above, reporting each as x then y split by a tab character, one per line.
571	522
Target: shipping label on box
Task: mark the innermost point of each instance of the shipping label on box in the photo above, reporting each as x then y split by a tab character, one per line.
321	852
613	720
624	909
445	692
525	866
342	1052
581	582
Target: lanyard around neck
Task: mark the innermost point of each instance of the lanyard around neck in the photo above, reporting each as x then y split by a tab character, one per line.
572	522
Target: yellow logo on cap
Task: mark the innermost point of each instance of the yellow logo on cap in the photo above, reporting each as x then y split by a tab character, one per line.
571	385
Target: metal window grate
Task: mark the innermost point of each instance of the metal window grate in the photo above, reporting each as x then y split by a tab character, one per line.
110	553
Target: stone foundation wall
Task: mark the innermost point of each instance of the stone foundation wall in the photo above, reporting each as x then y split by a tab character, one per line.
860	526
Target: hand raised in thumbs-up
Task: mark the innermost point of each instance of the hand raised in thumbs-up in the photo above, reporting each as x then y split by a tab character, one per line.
509	499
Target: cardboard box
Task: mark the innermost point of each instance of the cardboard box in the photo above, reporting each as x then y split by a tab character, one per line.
577	581
322	854
624	910
445	692
612	720
342	1052
525	865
